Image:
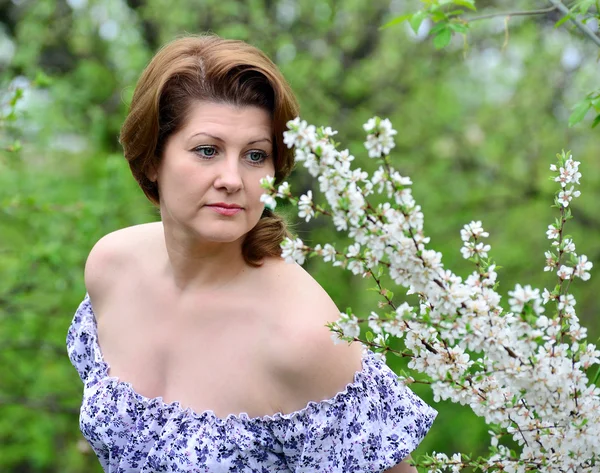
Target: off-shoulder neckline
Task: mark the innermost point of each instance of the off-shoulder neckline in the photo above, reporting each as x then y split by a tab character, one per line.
175	407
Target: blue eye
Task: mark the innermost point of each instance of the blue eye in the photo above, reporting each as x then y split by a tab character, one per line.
205	151
257	157
254	157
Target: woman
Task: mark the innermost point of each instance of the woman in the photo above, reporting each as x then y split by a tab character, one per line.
204	350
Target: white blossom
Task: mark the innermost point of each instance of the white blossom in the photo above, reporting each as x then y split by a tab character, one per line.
569	173
471	249
267	182
553	232
582	267
356	266
328	252
353	251
284	189
374	322
305	206
566	301
473	230
293	250
269	201
564	272
349	325
328	132
546	296
380	139
550	261
299	134
381	339
565	196
567	245
522	295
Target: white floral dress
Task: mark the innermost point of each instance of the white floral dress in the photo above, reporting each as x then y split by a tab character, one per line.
368	427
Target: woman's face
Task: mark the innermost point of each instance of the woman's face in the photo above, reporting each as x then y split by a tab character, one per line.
209	175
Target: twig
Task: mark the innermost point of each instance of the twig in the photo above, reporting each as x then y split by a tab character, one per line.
512	13
588	32
556	5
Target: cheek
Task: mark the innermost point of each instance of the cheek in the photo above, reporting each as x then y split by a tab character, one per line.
269	169
183	176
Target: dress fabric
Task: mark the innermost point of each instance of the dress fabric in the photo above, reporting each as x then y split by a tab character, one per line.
370	426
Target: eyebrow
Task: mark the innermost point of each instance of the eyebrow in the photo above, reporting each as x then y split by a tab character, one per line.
222	140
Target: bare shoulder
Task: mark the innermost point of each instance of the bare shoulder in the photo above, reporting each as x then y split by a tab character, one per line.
312	366
298	294
113	253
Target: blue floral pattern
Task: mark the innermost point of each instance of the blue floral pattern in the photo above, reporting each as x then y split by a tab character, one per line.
368	427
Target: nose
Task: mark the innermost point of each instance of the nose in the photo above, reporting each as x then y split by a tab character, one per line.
228	176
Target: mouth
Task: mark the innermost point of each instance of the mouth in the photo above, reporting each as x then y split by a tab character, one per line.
223	205
227	210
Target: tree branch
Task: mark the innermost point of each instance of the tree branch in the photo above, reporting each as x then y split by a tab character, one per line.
588	32
512	13
556	5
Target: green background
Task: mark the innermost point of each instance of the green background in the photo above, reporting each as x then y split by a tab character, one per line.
477	131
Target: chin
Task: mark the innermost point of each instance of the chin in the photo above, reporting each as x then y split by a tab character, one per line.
220	236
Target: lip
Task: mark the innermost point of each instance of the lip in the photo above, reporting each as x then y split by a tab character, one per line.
225	206
225	209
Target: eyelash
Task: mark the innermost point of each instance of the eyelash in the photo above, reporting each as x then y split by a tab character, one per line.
264	155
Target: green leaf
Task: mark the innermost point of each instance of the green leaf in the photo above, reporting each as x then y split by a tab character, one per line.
42	79
16	146
579	112
397	21
596	121
596	377
459	27
563	20
442	39
470	4
416	20
585	5
438	28
438	15
16	97
369	336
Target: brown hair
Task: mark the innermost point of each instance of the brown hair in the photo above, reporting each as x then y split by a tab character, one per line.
208	68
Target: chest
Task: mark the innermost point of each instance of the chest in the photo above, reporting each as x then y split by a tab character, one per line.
213	353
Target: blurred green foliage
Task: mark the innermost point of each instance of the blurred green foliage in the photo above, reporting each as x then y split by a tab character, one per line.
477	132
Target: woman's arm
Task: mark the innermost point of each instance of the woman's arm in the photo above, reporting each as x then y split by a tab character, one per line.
312	367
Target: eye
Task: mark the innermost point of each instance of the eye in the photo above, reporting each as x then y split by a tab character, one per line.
256	156
205	151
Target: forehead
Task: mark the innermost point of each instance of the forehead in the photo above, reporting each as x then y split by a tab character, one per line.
231	121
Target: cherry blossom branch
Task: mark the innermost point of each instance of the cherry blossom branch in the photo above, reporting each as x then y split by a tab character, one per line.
512	369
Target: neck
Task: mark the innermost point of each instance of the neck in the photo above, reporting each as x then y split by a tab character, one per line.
194	265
